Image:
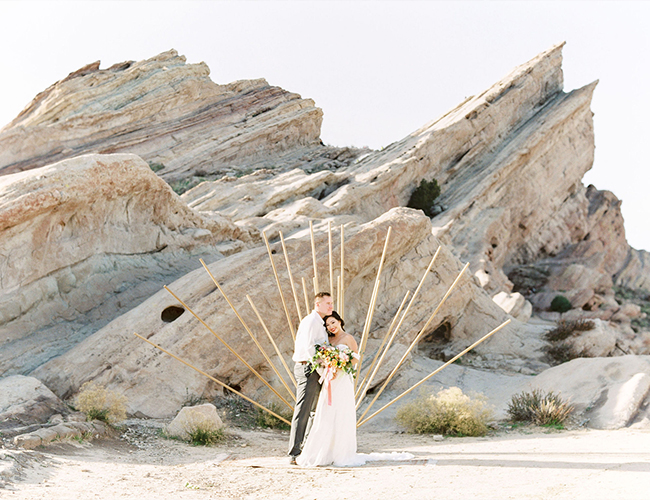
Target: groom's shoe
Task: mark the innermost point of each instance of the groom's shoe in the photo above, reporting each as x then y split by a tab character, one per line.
292	460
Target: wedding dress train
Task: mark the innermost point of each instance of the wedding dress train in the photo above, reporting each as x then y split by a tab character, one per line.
333	436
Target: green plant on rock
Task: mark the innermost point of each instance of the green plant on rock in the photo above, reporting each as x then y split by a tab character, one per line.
560	304
99	403
424	195
449	412
539	408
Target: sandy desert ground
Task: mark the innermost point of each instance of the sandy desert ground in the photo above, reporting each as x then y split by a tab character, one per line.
250	464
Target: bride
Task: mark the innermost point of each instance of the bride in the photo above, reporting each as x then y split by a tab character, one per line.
333	436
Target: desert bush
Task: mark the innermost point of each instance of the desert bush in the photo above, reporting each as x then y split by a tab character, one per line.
424	195
539	408
560	304
448	412
202	436
265	419
564	329
99	403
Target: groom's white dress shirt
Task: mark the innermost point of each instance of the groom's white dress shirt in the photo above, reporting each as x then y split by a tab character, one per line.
310	332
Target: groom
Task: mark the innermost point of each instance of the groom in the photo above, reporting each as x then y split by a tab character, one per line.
310	332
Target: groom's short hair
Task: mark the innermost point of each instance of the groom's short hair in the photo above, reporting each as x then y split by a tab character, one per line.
320	295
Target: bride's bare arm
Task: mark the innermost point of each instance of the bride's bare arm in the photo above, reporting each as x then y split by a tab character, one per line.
352	344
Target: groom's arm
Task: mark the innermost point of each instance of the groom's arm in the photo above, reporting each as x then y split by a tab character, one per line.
306	339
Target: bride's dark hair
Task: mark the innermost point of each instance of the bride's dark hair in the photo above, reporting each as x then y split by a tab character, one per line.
336	316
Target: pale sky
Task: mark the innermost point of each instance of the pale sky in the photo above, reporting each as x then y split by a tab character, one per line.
378	69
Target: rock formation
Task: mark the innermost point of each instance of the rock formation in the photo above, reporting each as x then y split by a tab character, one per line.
509	162
84	240
168	112
24	402
103	232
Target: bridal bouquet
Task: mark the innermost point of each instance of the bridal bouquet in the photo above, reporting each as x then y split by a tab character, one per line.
329	359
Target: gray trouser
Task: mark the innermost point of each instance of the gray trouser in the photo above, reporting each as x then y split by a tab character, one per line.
306	398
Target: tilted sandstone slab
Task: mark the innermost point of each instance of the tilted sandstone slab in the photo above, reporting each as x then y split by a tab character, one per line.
166	111
156	384
497	158
259	193
471	129
635	272
83	240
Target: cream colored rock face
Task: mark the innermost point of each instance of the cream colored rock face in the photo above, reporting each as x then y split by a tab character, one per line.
83	239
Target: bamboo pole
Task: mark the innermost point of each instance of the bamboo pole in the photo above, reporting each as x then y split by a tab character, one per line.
329	240
315	285
225	386
371	308
376	291
379	350
415	341
313	256
338	293
362	346
230	348
436	371
293	287
342	309
408	308
277	280
277	351
304	291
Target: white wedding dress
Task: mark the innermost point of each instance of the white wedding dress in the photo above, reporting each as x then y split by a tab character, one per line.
332	439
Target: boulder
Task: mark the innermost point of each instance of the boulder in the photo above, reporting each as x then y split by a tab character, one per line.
609	391
515	305
25	401
190	418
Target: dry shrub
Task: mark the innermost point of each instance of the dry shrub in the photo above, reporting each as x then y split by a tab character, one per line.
449	412
99	403
565	328
539	408
561	350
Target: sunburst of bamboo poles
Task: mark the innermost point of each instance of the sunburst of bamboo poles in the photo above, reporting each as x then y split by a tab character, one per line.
340	301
